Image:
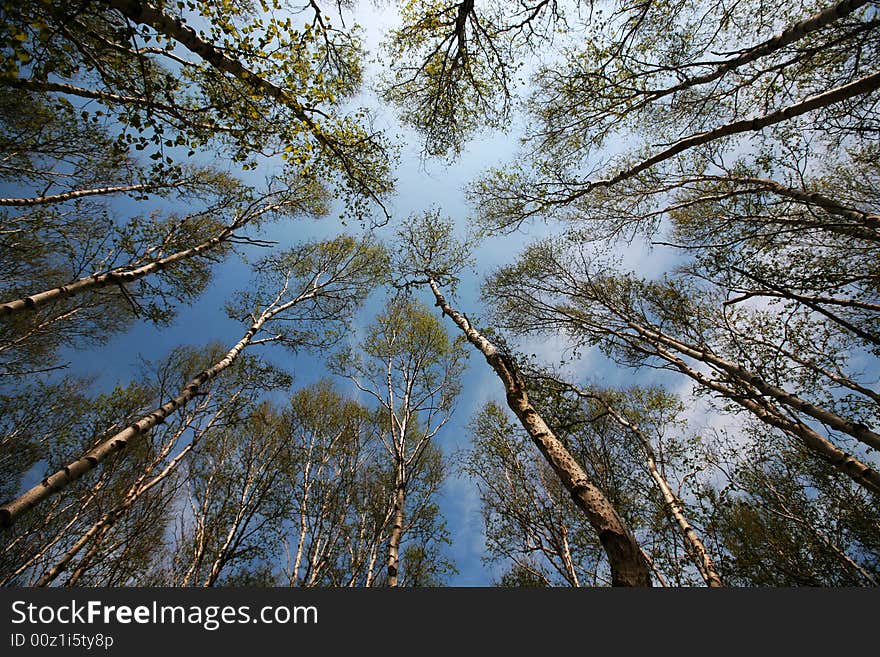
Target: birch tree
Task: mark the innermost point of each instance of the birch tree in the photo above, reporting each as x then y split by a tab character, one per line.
76	270
236	502
415	255
781	518
638	416
31	418
332	446
639	322
411	370
55	154
249	84
683	103
309	292
98	550
531	526
91	531
33	544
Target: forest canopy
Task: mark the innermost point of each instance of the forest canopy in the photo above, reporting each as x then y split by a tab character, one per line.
347	294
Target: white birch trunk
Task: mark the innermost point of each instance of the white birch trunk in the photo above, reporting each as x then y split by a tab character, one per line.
628	566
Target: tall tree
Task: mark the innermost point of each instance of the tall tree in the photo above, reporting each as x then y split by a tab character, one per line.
236	502
625	81
638	412
315	287
531	524
252	84
430	236
412	370
638	321
80	420
95	527
331	450
75	269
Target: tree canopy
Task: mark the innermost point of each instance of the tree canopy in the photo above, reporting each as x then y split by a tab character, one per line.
234	347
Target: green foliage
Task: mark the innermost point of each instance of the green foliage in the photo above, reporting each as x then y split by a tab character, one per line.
51	149
533	529
770	310
299	496
426	249
251	84
410	341
39	433
407	365
450	76
783	519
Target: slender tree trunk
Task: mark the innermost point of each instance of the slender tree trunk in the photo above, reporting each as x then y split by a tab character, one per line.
628	565
80	193
137	491
105	521
10	511
393	562
660	578
846	463
200	537
303	511
376	543
354	549
737	372
867	219
297	560
223	554
86	561
371	567
791	34
125	274
142	13
701	555
567	560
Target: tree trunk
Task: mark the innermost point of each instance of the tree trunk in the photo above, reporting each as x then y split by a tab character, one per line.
80	193
791	34
393	562
116	443
628	565
673	504
737	372
846	463
135	492
867	219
